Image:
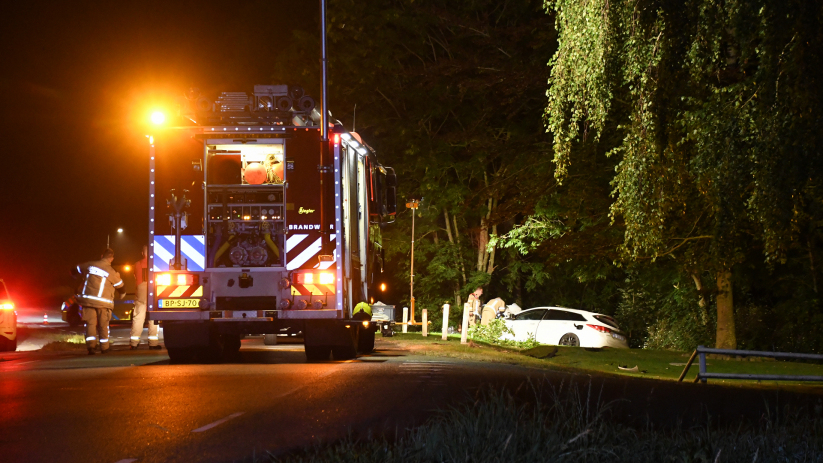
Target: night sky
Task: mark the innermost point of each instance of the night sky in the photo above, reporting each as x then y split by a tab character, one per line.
78	82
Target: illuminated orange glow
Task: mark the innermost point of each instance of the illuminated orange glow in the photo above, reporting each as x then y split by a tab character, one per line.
158	118
326	278
164	279
181	279
336	138
7	306
382	286
127	268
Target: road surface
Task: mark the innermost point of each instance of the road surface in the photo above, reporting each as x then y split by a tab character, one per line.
132	406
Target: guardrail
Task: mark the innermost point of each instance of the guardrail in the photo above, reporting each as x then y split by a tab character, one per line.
704	375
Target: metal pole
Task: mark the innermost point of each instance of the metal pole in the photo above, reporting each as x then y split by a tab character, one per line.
108	240
324	114
151	226
405	319
425	323
702	364
411	270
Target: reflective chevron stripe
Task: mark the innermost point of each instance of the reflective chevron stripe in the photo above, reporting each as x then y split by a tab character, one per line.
180	291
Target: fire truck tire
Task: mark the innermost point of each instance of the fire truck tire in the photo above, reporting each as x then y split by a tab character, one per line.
318	353
231	346
365	342
270	339
344	352
179	355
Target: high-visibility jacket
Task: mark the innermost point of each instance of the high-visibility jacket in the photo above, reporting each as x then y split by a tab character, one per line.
363	308
99	283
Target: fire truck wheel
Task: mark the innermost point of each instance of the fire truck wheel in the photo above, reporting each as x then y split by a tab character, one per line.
181	354
269	339
344	352
231	346
318	353
365	342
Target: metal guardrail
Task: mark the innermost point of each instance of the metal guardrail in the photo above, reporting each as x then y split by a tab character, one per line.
704	375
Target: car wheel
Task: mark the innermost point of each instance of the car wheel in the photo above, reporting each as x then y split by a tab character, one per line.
270	339
569	339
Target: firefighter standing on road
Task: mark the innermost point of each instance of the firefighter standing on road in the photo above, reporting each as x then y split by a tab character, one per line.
100	281
141	274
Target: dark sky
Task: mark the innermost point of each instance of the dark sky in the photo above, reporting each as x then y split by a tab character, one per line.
77	83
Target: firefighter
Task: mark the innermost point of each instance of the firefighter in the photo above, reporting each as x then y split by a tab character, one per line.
362	311
141	274
474	306
96	295
491	310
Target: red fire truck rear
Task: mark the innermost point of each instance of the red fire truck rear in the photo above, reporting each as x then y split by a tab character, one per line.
267	228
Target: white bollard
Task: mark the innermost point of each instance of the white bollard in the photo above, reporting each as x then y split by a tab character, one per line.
405	319
445	329
425	323
464	336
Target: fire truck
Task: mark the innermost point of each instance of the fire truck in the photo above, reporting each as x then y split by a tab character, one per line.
261	222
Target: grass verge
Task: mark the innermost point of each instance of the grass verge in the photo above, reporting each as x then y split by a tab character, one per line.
574	426
653	364
63	342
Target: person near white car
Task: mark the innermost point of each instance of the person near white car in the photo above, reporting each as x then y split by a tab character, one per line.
566	327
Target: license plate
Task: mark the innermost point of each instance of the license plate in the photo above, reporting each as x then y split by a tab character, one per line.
619	337
178	303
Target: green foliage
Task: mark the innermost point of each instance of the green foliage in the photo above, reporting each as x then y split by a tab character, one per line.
573	425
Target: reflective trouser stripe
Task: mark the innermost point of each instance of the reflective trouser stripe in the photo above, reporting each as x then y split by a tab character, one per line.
153	338
104	340
91	338
136	338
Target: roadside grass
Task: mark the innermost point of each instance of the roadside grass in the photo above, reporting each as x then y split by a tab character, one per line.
60	342
653	364
573	425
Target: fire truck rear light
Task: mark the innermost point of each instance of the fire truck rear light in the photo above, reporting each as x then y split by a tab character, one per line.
7	306
365	324
336	138
163	279
326	278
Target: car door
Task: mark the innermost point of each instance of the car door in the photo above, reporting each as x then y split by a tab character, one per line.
556	323
525	323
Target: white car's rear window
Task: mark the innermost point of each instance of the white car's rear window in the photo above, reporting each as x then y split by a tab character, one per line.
607	320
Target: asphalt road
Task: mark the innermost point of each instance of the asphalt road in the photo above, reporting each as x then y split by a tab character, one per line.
133	406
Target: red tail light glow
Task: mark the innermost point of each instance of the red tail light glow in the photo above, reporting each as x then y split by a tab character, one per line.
599	328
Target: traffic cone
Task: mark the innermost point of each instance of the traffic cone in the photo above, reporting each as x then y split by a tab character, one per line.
45	319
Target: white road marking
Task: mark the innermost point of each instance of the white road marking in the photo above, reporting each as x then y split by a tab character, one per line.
217	423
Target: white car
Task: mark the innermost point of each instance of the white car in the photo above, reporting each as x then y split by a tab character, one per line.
566	327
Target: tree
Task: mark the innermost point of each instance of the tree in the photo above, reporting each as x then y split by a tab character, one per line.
718	110
451	96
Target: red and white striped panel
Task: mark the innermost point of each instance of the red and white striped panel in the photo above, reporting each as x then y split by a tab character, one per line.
302	248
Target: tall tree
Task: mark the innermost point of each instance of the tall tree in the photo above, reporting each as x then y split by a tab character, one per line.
718	110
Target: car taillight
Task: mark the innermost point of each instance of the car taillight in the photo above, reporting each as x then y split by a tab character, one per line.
602	329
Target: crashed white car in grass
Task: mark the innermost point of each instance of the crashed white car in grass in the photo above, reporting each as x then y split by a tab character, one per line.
565	327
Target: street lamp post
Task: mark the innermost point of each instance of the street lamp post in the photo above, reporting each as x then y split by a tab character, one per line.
413	204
